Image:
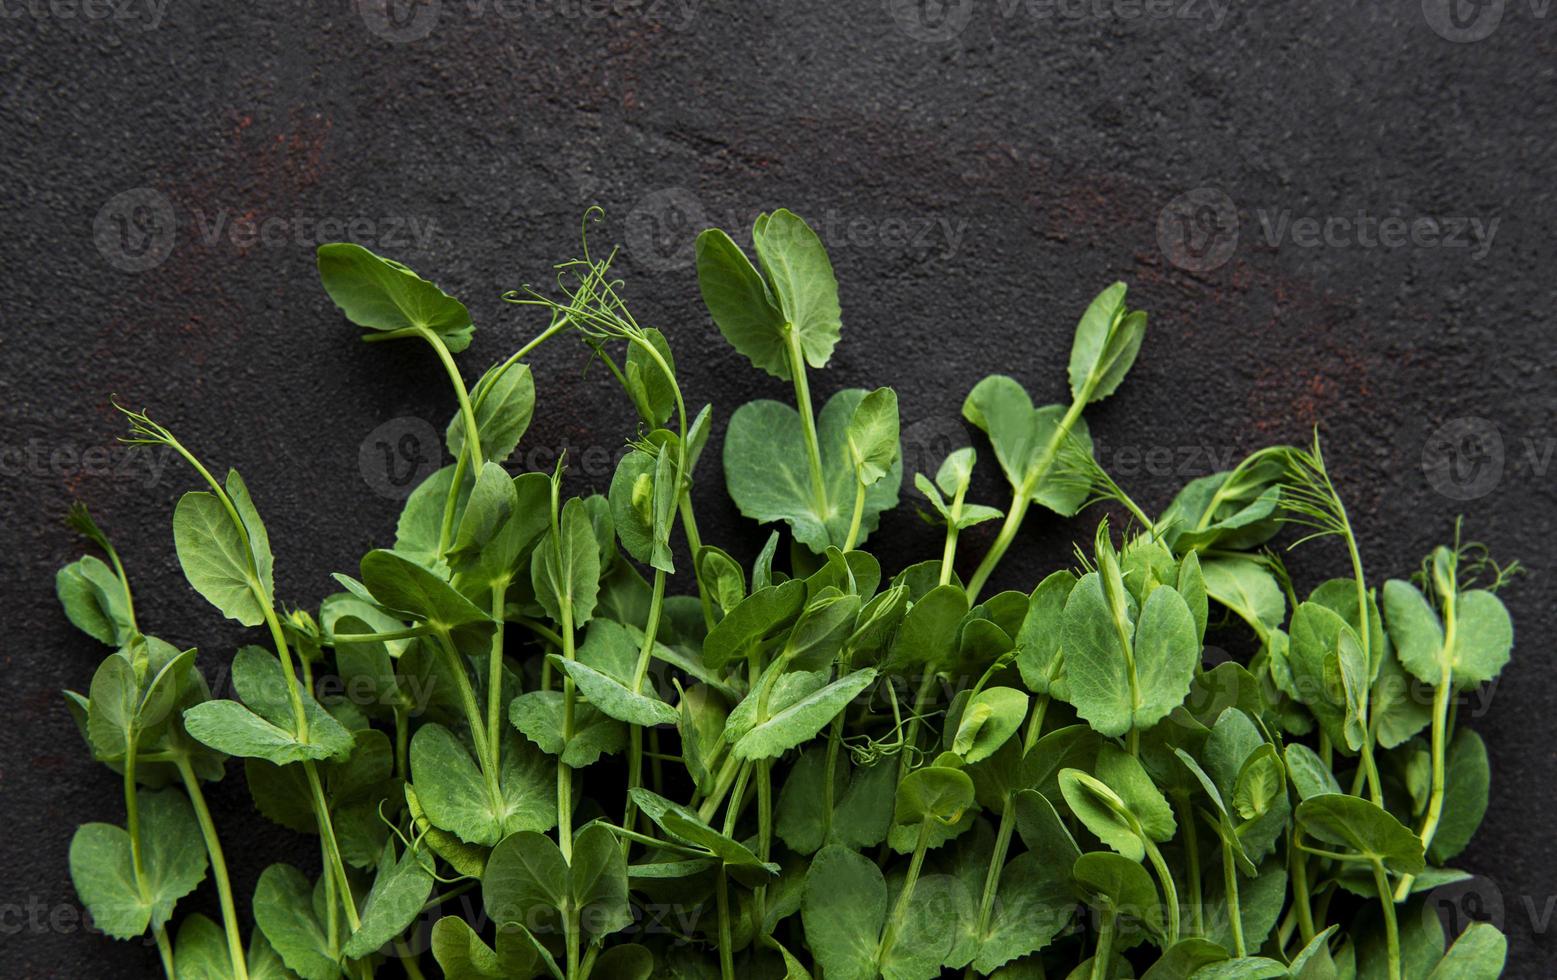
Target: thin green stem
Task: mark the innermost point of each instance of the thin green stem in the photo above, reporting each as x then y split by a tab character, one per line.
165	951
641	671
332	850
1170	890
797	370
1391	927
859	513
1234	907
213	849
910	740
1301	902
997	864
473	717
904	897
694	545
1102	959
495	678
1440	736
726	942
1197	917
1023	496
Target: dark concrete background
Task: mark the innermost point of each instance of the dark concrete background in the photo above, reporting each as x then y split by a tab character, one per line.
977	176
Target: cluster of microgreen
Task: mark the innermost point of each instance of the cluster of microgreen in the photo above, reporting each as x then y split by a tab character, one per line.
848	776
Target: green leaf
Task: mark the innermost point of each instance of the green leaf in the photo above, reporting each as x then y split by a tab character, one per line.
1260	782
653	392
94	600
802	720
1111	883
1310	776
538	716
800	278
200	950
463	956
1124	774
928	635
1100	682
467	859
381	294
1103	812
1466	782
759	617
1244	968
1039	640
1248	589
1483	636
741	303
230	728
215	557
566	567
632	503
503	402
264	727
454	795
1183	958
988	719
872	435
1477	955
1030	444
819	633
284	906
1031	907
527	881
844	909
722	576
769	479
172	858
936	793
1329	672
488	510
611	697
399	891
407	587
1106	343
683	825
862	803
1363	828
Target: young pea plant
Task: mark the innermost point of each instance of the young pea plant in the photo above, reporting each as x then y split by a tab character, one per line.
812	768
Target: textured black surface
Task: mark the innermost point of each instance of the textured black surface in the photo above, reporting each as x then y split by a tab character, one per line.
974	193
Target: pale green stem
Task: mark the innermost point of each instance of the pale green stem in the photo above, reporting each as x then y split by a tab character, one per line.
1170	891
1234	906
904	897
1440	737
797	370
726	941
495	679
859	513
1103	957
213	848
1023	496
1391	927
